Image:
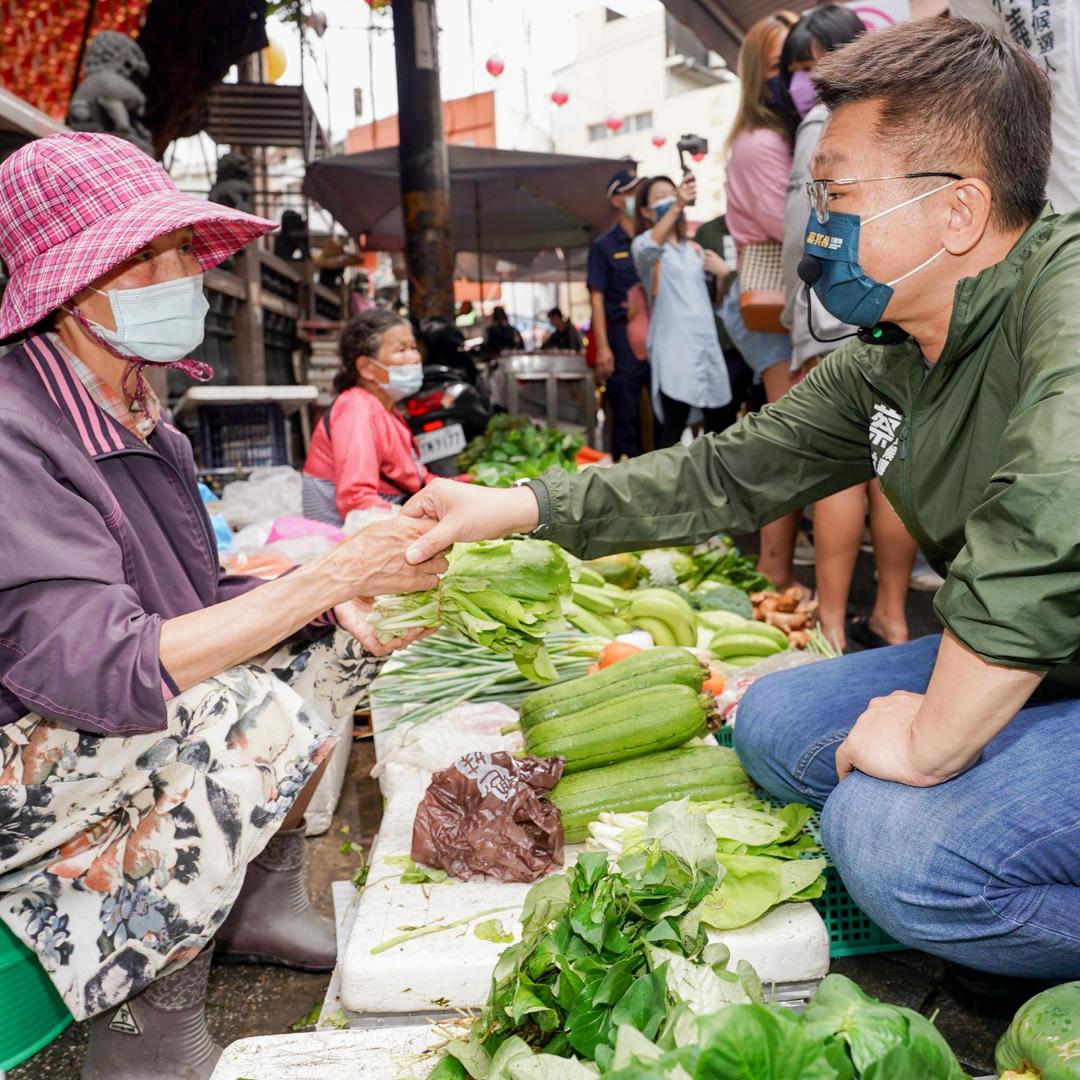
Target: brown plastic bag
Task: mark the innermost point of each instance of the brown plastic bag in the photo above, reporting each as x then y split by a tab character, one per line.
487	814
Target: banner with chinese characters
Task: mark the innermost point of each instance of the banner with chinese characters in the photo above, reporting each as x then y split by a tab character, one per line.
1050	31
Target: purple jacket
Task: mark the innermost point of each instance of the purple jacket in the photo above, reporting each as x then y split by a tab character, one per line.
103	537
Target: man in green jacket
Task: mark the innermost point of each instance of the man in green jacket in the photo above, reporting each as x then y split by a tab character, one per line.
950	805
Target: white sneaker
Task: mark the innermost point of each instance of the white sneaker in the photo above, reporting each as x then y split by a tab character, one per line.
804	551
923	577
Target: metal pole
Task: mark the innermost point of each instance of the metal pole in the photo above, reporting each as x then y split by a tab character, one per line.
425	167
83	42
479	242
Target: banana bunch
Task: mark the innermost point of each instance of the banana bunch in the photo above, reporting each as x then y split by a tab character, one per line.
666	616
598	608
747	642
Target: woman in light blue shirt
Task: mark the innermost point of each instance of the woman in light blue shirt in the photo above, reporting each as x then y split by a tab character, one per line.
688	368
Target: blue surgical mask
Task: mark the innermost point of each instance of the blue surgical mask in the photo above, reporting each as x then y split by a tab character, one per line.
629	203
158	323
845	290
405	380
662	207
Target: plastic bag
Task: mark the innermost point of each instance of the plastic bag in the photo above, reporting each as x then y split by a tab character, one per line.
293	528
436	744
356	520
727	703
487	814
272	491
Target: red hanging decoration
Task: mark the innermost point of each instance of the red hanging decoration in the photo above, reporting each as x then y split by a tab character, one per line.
659	140
495	66
614	123
698	157
560	96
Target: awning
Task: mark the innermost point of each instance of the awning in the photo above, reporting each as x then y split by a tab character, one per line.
510	201
721	25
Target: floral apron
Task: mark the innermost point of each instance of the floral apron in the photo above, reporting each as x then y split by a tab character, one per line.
120	856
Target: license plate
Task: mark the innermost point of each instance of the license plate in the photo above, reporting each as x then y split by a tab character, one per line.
434	445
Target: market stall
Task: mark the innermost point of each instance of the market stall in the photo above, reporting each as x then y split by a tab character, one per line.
573	874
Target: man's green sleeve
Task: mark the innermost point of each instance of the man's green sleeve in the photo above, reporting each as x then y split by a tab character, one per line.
811	443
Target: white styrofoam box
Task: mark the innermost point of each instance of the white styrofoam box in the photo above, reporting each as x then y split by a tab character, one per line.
388	1053
452	969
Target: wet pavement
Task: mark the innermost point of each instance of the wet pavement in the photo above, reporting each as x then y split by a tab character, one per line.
247	1000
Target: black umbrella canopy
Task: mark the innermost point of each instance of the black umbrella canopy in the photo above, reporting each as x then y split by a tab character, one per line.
721	25
500	200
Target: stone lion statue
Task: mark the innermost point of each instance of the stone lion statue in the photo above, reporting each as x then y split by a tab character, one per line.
109	99
233	185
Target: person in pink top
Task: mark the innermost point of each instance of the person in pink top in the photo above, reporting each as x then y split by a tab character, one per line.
362	453
759	164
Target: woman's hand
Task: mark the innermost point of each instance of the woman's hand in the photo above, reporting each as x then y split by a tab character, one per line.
715	265
450	513
372	562
686	194
354	617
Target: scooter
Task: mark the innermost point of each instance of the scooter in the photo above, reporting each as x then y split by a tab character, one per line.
449	409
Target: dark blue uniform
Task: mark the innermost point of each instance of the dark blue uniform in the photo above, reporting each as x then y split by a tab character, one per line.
612	273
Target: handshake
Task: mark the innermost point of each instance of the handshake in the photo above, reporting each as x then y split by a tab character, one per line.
407	553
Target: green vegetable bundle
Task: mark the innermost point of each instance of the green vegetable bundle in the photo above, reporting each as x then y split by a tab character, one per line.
513	447
603	947
504	594
761	849
842	1035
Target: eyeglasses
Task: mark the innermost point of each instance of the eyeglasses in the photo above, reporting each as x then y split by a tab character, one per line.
818	190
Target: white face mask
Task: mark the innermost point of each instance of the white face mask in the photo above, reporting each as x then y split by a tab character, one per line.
405	380
158	323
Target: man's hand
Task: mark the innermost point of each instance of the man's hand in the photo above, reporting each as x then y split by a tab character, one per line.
354	617
605	363
372	562
880	742
451	513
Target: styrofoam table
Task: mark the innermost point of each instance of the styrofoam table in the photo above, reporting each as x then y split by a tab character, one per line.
452	969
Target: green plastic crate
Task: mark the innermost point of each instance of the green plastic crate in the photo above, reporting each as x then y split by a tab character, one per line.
851	931
33	1013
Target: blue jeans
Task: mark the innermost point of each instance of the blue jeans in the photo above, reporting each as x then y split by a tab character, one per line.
983	870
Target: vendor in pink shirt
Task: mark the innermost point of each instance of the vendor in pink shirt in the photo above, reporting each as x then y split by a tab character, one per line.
362	453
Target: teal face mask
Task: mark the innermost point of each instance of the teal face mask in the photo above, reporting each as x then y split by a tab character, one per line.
629	205
844	288
158	323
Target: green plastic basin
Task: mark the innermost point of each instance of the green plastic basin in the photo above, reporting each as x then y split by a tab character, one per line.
32	1013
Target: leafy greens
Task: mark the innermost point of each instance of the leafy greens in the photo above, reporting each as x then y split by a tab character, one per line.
513	448
760	848
503	594
604	947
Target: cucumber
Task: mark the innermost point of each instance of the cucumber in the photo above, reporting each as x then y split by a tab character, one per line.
653	667
644	783
626	726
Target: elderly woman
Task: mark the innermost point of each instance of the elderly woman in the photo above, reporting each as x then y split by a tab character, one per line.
153	775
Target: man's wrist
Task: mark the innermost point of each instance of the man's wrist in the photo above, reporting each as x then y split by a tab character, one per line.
535	507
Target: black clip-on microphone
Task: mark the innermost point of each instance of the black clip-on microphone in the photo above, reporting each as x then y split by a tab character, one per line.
883	334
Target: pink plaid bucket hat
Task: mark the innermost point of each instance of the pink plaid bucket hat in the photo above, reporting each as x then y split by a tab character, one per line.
75	205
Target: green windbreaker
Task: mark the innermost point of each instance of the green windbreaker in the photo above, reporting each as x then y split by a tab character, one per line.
979	454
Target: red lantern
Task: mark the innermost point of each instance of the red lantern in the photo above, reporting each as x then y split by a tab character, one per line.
560	96
495	66
613	123
698	157
659	140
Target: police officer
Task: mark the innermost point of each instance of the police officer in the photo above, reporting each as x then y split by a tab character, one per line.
611	276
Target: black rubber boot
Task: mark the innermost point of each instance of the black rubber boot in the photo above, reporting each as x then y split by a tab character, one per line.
272	921
159	1034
